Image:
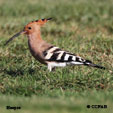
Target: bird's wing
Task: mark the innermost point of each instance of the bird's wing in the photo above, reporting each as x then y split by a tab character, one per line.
55	54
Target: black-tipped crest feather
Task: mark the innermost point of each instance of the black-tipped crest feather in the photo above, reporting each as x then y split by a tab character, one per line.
49	18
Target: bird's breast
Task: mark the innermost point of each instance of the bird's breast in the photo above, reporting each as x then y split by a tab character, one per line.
35	51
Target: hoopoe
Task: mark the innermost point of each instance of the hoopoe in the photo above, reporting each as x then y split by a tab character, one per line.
46	53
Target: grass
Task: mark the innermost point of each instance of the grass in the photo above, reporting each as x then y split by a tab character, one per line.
83	27
65	103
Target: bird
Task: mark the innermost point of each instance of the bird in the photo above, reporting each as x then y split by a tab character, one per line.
46	53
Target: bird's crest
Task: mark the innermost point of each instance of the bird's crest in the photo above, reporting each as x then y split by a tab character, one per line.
42	21
26	31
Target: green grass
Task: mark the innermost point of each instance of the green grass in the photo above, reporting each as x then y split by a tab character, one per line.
83	27
65	103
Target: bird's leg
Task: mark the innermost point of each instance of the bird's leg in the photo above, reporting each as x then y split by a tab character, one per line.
50	67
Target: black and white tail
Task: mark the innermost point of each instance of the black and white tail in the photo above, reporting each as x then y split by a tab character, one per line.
56	57
89	63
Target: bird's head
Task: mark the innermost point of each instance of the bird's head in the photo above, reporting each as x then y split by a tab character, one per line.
30	28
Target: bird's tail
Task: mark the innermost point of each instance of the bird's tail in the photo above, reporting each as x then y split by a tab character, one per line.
89	63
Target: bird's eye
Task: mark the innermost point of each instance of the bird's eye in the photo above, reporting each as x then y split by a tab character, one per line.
29	27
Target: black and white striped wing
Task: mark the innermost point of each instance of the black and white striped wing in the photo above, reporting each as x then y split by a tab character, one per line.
63	58
55	54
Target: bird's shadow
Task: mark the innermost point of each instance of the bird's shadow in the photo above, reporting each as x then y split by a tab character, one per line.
17	72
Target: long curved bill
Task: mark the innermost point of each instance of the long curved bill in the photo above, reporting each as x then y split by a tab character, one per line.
16	35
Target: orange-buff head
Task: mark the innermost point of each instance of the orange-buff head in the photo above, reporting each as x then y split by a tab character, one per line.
31	27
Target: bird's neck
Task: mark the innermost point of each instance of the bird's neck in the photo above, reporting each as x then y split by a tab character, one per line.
35	37
35	41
